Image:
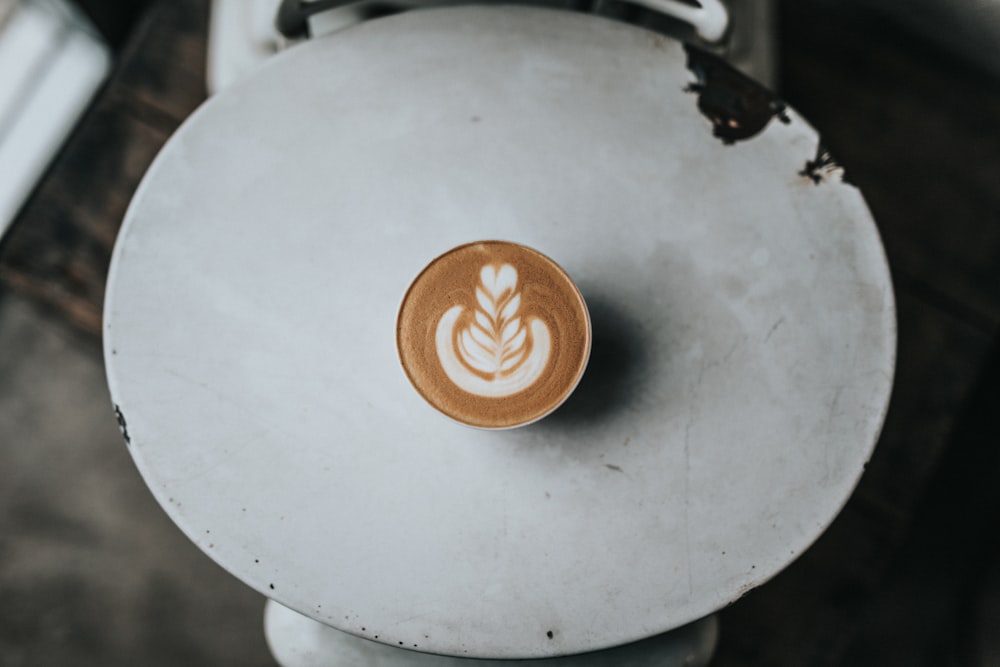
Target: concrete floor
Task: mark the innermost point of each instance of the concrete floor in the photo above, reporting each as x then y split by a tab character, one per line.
92	572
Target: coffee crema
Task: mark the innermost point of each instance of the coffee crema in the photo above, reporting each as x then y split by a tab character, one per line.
493	334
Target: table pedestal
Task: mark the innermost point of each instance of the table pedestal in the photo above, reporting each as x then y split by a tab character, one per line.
298	641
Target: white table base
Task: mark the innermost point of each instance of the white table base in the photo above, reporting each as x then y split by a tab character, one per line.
298	641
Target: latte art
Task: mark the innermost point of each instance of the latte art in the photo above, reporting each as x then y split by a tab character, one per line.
495	355
493	334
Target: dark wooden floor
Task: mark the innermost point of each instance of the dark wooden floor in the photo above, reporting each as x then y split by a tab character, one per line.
905	576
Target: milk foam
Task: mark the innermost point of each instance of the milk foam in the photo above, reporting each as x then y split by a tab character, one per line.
499	353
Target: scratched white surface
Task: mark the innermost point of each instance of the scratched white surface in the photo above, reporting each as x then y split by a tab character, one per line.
743	320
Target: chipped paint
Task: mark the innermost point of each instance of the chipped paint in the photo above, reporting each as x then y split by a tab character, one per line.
122	425
822	165
737	106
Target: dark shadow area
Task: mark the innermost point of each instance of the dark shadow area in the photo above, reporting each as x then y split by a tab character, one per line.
614	374
928	610
114	19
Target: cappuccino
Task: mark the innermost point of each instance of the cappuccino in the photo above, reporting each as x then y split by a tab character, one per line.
493	334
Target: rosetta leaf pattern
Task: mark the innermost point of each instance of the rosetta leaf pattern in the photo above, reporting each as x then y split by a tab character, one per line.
496	340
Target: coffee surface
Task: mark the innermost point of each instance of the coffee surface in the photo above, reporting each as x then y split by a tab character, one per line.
493	334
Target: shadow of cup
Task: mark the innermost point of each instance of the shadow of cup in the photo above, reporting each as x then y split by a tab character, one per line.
614	374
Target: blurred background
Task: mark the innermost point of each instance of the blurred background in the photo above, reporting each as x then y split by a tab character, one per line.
906	95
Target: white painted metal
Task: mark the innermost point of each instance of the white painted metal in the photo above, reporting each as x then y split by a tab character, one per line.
298	641
709	18
742	360
243	35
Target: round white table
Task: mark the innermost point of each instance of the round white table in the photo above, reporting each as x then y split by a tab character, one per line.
743	320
